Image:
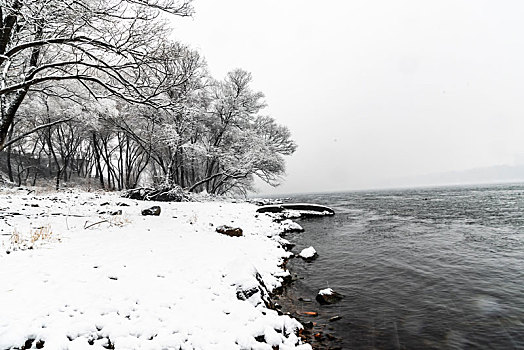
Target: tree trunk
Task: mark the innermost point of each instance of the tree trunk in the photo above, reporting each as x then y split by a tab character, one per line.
9	149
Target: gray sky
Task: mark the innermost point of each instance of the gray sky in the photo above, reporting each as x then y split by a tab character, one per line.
375	91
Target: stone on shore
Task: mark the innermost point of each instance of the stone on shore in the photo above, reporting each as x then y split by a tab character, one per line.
290	226
154	211
229	231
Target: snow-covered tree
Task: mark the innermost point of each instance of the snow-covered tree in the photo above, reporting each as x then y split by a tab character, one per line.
240	143
119	45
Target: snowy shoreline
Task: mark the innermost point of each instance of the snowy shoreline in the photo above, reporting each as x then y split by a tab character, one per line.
72	276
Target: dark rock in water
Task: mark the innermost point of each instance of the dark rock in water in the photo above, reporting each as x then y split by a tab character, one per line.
308	207
287	245
230	231
335	318
328	296
270	209
308	324
154	210
287	279
330	336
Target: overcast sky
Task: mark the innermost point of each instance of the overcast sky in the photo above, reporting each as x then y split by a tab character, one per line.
375	91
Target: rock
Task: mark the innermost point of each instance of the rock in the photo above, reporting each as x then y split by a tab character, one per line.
335	318
154	210
230	231
122	204
256	294
303	209
308	324
287	279
115	212
328	296
260	338
246	293
308	254
331	337
287	245
288	226
28	344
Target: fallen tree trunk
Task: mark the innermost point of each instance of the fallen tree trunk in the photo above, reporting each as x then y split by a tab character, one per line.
164	194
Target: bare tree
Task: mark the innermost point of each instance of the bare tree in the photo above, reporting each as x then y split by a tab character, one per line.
119	45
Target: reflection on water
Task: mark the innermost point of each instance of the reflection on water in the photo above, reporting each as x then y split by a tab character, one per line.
433	268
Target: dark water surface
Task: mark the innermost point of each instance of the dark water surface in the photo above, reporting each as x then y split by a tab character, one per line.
420	269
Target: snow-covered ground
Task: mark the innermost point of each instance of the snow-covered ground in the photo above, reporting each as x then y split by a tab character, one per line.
72	277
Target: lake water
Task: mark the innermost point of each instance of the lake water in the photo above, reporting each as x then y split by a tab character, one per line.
420	269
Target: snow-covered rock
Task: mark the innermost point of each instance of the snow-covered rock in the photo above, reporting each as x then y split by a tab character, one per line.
328	296
308	253
290	226
92	280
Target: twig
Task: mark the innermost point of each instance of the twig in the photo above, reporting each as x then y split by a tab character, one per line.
96	223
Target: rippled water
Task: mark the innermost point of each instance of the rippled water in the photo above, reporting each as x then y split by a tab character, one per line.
420	269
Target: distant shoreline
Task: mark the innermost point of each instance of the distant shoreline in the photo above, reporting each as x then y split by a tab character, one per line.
398	188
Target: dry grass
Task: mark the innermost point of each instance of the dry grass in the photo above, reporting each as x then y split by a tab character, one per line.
43	233
193	219
15	238
119	220
35	237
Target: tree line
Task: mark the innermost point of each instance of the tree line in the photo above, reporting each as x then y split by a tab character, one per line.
96	90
